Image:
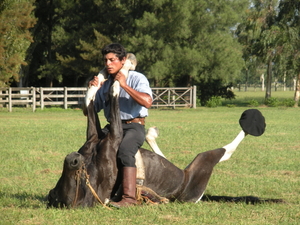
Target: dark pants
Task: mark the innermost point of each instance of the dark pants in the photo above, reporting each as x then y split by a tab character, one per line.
133	139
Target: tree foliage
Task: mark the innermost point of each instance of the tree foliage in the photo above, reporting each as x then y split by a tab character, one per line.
270	35
15	21
259	35
289	59
177	43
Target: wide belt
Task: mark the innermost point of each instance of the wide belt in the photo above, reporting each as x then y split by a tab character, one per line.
140	120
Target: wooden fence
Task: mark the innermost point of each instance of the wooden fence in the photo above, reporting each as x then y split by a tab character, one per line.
73	96
174	97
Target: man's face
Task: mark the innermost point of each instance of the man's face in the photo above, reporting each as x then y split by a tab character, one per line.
112	63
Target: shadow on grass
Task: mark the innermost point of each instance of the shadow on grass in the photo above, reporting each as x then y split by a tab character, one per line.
23	200
26	200
246	199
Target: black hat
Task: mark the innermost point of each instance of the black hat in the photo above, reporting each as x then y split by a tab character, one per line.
253	122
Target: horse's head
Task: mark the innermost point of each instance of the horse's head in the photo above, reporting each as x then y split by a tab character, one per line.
70	189
90	174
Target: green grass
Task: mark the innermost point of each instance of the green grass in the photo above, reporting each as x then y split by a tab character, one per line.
243	98
33	147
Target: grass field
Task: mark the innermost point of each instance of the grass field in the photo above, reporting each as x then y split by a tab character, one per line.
33	147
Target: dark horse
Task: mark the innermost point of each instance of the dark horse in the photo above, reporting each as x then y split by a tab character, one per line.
90	175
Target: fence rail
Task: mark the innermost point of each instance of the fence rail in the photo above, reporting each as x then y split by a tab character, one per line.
74	96
174	97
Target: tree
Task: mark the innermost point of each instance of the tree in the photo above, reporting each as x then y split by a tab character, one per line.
266	46
180	42
248	33
16	20
261	36
73	33
177	42
288	18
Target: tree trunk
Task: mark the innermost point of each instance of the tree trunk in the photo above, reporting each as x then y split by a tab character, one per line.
269	80
246	83
49	78
284	81
297	91
262	79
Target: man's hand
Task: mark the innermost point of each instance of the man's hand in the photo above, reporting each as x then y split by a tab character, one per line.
94	82
121	78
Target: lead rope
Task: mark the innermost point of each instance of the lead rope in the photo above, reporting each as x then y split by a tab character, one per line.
93	191
151	197
77	178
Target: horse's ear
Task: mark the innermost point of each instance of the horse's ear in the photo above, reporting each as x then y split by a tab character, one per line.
93	126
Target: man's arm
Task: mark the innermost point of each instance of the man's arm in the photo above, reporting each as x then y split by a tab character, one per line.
141	98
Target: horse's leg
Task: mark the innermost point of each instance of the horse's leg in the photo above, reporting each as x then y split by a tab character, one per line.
116	131
230	148
198	173
129	64
91	92
151	135
108	171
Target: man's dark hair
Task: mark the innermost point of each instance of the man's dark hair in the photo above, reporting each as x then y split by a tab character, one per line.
115	48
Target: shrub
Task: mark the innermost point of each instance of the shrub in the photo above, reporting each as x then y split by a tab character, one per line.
272	102
198	102
214	101
289	102
206	89
253	103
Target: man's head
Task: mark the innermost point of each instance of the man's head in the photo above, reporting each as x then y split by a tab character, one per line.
114	57
115	48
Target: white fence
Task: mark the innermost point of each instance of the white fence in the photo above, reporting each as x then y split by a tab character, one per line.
73	96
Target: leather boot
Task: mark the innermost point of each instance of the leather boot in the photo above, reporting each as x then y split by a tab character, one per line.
129	188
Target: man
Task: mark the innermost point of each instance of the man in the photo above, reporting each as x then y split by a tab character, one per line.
135	98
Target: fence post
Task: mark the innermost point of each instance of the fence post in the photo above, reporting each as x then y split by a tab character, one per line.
65	97
194	96
9	100
173	99
169	97
33	99
5	92
157	93
42	98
